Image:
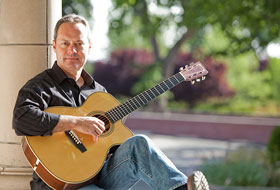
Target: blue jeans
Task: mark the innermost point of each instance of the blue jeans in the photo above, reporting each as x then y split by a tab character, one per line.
138	159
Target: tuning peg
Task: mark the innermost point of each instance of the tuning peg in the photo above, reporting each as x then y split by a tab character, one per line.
192	82
203	77
198	80
181	69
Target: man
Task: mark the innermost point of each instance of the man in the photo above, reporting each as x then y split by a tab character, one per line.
68	84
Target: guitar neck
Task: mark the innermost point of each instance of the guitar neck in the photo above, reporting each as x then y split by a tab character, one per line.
143	98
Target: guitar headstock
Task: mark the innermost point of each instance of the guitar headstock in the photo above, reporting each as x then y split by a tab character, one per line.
193	72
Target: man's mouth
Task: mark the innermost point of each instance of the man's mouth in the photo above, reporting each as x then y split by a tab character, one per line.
71	58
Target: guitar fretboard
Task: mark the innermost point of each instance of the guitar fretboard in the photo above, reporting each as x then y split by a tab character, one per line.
143	98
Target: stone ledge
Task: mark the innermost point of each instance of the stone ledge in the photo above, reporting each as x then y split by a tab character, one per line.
222	127
15	171
15	182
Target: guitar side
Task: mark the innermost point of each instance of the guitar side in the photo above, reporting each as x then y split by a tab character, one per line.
58	162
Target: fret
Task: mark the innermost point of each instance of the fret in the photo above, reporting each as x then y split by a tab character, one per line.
111	116
143	98
129	106
116	112
134	105
120	112
172	82
121	109
164	86
126	108
138	99
158	92
168	83
151	93
179	77
108	115
167	87
155	92
134	101
148	98
177	80
159	89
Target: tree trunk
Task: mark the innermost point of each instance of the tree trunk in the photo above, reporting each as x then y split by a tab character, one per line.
160	104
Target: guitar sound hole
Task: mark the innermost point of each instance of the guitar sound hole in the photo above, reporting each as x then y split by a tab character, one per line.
105	120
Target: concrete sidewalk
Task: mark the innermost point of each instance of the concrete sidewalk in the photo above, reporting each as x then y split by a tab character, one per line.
188	153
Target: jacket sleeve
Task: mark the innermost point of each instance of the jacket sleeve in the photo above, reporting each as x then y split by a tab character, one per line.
29	117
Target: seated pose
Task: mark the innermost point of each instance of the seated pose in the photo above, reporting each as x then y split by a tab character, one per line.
68	84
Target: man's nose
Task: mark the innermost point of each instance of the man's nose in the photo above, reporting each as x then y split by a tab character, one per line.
72	48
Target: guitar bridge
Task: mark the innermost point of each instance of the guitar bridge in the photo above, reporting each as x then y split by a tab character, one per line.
75	140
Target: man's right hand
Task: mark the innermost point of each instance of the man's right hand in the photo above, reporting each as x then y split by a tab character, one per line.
87	125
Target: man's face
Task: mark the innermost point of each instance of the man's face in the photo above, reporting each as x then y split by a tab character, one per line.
71	46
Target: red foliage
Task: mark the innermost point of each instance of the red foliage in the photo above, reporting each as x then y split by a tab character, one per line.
214	85
122	70
125	67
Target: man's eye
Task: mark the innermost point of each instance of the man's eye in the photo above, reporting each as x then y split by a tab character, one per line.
63	43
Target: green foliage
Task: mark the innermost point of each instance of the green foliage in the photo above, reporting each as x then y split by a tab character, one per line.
274	177
246	79
80	7
239	106
128	38
257	92
238	173
149	78
247	24
273	147
274	70
246	166
214	40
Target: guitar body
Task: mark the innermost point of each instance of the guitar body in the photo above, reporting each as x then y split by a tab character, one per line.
63	166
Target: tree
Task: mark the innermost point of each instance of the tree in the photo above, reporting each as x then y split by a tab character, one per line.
81	7
248	24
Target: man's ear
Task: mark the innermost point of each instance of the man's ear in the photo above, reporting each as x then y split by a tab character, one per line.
54	46
89	48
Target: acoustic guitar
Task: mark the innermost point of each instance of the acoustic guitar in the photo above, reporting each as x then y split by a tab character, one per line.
70	160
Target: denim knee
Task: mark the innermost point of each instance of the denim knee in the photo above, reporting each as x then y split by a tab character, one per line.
140	140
